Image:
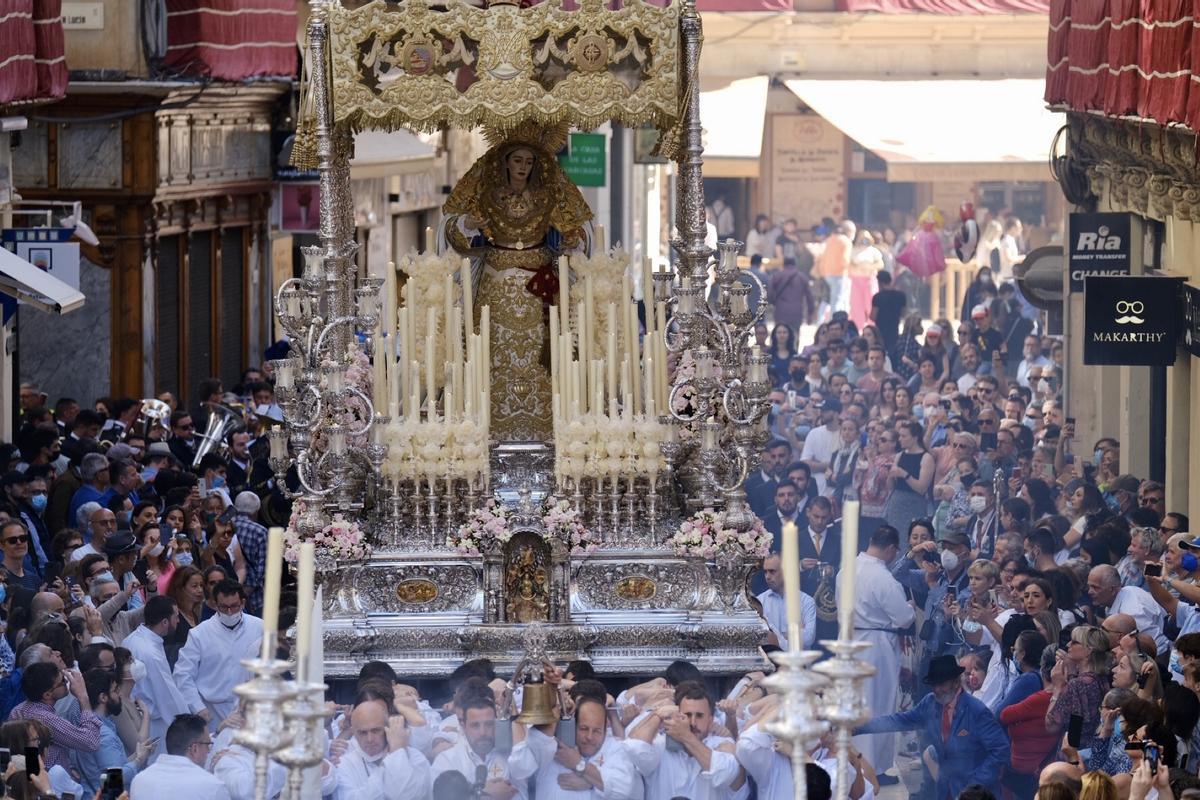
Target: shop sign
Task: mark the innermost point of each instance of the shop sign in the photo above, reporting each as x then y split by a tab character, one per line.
585	161
1100	245
1191	319
1131	321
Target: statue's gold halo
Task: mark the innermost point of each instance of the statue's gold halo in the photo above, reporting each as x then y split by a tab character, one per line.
547	138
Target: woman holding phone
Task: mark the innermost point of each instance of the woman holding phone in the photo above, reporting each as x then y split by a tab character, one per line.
1089	655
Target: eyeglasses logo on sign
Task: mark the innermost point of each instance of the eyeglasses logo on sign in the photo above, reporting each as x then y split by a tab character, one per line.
1127	312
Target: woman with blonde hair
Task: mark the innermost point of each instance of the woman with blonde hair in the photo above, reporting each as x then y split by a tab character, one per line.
1089	657
1097	786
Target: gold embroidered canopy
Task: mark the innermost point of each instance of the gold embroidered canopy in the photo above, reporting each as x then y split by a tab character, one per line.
422	66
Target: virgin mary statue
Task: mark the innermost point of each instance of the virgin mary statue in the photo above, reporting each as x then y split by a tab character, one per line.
513	214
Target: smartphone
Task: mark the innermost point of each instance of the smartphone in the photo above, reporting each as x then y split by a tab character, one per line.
228	515
1070	432
946	404
202	488
153	743
1075	731
987	441
1018	473
32	765
53	573
114	784
1152	754
1152	570
791	395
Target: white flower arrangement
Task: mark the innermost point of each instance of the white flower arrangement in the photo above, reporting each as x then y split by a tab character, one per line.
703	536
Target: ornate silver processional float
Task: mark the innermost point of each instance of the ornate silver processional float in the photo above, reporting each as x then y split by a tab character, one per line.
490	436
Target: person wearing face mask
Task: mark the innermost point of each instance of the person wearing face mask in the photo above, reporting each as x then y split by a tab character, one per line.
210	663
983	527
968	742
946	587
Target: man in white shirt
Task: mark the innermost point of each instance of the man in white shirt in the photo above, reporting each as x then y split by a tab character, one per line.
476	747
102	523
685	759
379	763
968	358
597	768
210	663
775	606
822	442
1033	358
1105	587
158	690
180	771
880	611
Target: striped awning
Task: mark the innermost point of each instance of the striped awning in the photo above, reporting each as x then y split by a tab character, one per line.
232	39
32	61
1125	57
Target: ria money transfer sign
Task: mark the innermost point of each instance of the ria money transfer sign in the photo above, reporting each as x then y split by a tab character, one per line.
1100	245
1131	321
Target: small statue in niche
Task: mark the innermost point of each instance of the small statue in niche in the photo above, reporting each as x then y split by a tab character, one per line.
527	579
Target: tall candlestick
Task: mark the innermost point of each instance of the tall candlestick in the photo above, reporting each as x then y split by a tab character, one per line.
790	561
847	574
378	372
271	587
304	608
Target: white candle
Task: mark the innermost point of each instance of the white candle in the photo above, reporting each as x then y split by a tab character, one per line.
447	304
651	404
581	348
430	379
304	608
271	587
278	445
790	562
389	299
610	352
468	296
564	294
599	248
554	352
379	373
710	435
847	574
430	242
589	307
414	390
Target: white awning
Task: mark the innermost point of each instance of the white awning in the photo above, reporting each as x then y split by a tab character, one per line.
732	120
30	285
934	130
380	155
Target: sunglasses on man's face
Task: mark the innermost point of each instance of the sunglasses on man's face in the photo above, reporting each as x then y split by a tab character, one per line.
16	540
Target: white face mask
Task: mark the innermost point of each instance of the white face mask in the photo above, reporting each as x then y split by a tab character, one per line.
155	551
977	504
230	620
949	560
137	670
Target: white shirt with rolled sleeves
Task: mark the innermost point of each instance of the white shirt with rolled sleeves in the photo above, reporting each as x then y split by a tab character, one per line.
176	776
775	612
158	690
210	664
533	759
404	774
462	759
771	771
676	774
1147	614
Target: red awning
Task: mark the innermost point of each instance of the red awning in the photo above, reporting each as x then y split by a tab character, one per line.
32	61
232	39
947	6
1125	57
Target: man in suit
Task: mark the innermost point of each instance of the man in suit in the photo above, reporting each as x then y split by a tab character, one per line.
983	526
820	554
760	485
971	746
775	518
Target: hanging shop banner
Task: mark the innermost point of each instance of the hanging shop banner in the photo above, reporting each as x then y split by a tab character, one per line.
585	161
1131	321
1100	245
1190	335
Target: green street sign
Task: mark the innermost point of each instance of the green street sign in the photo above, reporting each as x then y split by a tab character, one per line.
585	161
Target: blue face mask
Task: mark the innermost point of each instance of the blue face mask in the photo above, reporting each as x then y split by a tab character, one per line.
776	408
104	577
218	482
38	501
183	560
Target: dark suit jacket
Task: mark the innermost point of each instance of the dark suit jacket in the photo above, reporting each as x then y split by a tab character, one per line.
831	553
760	494
182	451
773	525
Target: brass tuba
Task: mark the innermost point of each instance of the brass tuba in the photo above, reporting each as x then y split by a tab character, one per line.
222	421
154	414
